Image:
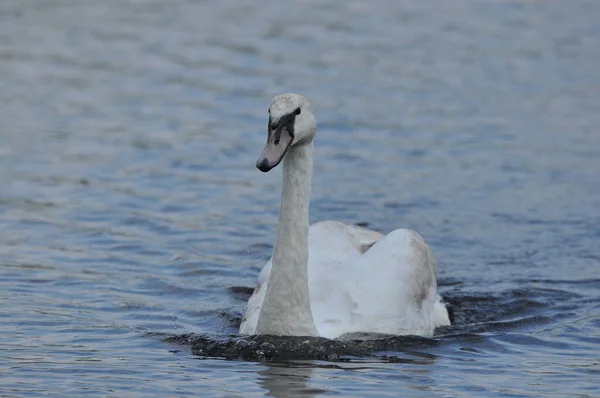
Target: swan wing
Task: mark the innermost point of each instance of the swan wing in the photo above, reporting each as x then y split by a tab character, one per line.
389	288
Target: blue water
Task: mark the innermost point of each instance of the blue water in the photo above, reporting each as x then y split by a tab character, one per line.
130	205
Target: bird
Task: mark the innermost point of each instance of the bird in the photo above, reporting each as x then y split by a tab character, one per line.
330	279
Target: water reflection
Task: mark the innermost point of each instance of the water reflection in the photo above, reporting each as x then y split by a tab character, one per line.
305	378
289	380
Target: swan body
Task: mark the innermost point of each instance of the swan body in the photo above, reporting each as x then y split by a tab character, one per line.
332	279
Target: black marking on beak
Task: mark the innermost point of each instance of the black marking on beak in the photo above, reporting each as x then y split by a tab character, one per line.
286	121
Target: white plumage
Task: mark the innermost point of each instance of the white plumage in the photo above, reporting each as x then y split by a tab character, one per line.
333	279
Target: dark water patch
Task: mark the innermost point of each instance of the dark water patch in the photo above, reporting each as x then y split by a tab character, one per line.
230	320
592	282
291	347
521	219
447	282
241	292
417	204
28	266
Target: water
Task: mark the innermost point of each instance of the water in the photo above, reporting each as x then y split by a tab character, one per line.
130	207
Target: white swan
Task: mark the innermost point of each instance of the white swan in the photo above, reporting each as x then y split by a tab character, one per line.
331	279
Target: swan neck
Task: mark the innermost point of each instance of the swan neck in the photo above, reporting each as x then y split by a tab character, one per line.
286	308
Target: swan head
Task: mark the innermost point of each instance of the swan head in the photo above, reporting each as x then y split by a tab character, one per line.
291	123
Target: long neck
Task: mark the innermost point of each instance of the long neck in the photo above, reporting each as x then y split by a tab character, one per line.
286	308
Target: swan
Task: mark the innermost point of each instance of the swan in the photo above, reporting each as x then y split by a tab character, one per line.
332	279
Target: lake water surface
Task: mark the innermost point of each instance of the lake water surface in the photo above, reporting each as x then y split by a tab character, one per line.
130	207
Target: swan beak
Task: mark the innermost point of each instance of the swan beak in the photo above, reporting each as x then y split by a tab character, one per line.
278	142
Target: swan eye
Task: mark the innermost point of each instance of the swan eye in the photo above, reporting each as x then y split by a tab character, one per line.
298	111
